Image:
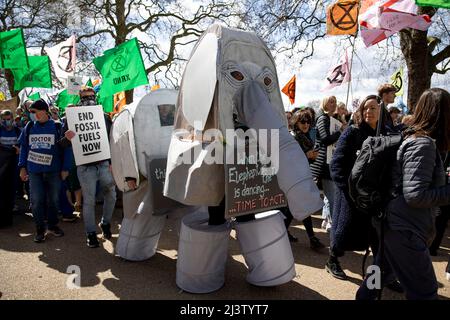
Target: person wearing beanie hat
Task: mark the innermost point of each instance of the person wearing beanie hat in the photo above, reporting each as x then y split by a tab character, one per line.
43	161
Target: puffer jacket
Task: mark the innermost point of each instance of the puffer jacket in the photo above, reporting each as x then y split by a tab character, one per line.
319	168
419	182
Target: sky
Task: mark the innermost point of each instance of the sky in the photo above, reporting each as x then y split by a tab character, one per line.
367	73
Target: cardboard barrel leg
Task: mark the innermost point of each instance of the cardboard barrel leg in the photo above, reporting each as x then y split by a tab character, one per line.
139	236
266	250
202	254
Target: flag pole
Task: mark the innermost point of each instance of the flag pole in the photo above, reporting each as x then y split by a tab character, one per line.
351	67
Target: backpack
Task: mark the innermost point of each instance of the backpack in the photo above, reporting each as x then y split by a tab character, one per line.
370	179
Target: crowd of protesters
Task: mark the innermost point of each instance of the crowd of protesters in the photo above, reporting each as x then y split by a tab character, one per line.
36	158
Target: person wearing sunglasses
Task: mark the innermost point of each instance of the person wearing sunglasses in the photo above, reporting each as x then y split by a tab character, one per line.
301	124
43	161
92	174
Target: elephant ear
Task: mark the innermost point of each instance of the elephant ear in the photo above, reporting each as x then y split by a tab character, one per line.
199	82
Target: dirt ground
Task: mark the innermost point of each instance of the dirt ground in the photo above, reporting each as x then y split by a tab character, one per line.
38	271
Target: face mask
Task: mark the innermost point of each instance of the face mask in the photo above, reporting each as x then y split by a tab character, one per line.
88	101
7	123
33	117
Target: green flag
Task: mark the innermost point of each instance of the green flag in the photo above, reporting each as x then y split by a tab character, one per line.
64	99
38	76
13	52
89	83
35	96
122	68
107	102
397	81
434	3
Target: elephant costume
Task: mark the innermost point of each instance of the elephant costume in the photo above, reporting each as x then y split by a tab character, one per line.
229	81
140	132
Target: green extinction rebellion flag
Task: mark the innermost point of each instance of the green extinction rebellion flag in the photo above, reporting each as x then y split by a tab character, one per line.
434	3
397	81
64	99
35	96
106	102
37	76
89	83
13	52
122	68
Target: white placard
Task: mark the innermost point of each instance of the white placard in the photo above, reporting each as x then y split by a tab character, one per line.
74	85
335	125
90	143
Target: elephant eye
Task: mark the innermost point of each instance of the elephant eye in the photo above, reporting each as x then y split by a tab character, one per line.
267	81
237	75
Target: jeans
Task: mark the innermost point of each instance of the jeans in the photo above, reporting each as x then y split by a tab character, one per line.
88	176
329	189
44	192
65	206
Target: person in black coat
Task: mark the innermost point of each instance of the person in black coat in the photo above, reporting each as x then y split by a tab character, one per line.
351	230
419	188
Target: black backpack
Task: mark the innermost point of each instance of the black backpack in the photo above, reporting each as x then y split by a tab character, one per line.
370	183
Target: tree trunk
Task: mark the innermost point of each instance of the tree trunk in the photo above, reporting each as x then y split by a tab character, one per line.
414	45
121	37
10	80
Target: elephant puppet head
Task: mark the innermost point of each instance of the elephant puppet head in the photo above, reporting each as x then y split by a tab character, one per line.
231	79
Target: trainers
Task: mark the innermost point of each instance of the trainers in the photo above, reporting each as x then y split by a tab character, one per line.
69	218
106	229
77	206
334	268
92	240
292	238
40	235
56	231
316	244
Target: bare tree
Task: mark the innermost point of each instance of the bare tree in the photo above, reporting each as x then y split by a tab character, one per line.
154	23
292	28
43	21
424	57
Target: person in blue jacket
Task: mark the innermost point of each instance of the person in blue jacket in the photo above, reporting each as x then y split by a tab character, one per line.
43	161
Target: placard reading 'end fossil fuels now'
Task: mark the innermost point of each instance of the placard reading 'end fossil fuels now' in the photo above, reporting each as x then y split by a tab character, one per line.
90	143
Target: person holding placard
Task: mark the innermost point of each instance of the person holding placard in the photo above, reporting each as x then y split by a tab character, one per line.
89	173
43	161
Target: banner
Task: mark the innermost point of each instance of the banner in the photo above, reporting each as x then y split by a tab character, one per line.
107	102
342	17
90	143
63	58
247	189
397	81
434	3
37	76
381	19
122	68
2	96
13	52
64	99
74	85
289	89
339	74
89	83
